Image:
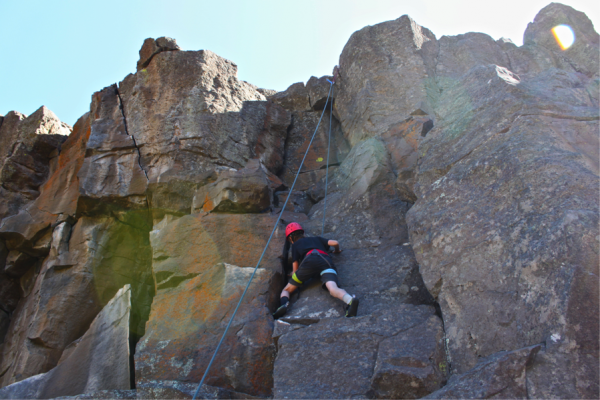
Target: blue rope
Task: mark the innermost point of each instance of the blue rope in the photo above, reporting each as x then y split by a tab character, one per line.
327	166
264	250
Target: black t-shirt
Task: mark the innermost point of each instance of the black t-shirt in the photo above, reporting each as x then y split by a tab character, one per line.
305	244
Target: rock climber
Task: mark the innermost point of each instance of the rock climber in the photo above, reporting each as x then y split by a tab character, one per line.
310	259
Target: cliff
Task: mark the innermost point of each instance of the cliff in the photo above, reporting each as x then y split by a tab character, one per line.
462	187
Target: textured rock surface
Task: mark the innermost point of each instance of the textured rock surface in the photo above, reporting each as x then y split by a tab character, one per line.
152	47
384	76
463	170
303	127
305	369
294	98
105	394
86	266
367	217
99	361
412	364
247	190
29	147
188	114
583	55
518	173
111	176
502	375
199	281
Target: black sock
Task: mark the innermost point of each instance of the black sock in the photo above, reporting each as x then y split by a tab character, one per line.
284	301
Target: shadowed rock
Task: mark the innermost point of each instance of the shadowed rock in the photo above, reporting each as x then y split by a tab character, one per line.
303	127
68	291
318	89
294	98
99	361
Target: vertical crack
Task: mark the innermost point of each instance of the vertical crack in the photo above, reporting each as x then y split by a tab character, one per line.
135	336
122	108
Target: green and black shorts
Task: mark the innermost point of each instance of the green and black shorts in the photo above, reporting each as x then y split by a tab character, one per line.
313	266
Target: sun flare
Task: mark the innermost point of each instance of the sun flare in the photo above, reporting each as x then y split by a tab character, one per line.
564	35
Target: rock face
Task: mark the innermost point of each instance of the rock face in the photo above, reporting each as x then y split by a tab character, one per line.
501	375
29	148
188	114
462	187
248	190
368	101
304	367
99	360
198	282
484	261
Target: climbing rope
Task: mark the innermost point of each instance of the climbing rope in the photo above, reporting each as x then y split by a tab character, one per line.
267	245
327	165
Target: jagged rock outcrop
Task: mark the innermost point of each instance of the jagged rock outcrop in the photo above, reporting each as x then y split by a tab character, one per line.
463	176
99	360
188	113
152	47
29	147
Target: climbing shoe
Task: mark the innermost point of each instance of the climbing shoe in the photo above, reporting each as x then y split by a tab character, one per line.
352	308
280	311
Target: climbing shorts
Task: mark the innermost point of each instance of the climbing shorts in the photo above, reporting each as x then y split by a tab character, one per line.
313	266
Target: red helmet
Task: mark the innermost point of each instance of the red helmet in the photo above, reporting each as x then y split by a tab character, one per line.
292	227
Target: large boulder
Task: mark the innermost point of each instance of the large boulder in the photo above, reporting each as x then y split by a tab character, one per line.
505	180
99	360
386	70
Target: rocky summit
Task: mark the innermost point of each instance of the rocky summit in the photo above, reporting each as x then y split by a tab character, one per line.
459	174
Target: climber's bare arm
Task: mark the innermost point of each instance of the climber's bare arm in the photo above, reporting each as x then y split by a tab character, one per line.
335	245
295	266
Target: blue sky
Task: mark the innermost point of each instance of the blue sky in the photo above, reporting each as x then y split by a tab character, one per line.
57	53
